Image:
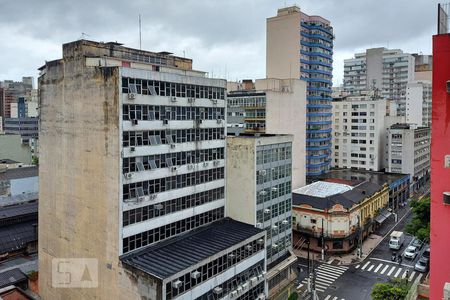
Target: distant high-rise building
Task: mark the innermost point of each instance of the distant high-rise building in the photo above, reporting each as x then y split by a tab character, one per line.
132	173
12	92
386	70
408	152
359	128
301	46
271	106
418	103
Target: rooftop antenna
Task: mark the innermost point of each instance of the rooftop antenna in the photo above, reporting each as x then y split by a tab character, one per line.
83	35
140	36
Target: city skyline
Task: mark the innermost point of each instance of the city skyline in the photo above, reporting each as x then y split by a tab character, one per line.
215	47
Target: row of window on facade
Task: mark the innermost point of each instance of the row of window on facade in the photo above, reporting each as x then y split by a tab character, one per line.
151	236
269	193
172	89
274	173
158	185
273	211
151	211
246	101
160	137
166	160
180	113
213	268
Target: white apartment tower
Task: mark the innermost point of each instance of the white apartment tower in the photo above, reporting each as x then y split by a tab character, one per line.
418	103
408	152
132	173
359	133
386	70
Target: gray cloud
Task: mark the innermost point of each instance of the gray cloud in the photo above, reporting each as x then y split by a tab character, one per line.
223	37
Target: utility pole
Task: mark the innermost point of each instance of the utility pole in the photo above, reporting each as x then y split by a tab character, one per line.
309	271
360	237
323	244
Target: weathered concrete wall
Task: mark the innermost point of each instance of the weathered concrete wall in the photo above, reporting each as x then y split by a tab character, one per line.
79	177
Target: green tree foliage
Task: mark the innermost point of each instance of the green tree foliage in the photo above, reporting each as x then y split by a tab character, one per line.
396	289
293	296
420	223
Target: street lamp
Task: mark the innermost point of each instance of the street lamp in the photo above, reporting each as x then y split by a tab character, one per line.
360	236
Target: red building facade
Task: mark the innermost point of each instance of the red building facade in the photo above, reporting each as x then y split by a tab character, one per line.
440	174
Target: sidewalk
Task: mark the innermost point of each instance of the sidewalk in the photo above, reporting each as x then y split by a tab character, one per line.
369	244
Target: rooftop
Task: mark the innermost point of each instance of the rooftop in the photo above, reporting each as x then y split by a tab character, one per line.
170	257
322	189
358	176
17	236
346	198
18	173
18	210
11	277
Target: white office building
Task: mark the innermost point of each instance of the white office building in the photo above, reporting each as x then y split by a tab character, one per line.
408	152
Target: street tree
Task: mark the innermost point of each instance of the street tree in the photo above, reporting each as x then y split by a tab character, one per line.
396	289
420	223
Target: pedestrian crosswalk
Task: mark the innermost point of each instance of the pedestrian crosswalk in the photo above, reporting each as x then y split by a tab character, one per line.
325	275
391	270
330	297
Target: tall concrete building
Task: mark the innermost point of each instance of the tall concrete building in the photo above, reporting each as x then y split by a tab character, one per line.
408	152
271	106
423	69
132	175
418	103
359	132
11	92
259	180
386	70
301	46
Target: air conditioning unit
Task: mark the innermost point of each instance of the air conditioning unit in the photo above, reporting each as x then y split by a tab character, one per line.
284	222
259	225
153	196
132	149
141	198
233	294
134	122
173	168
274	189
239	289
177	284
260	241
173	99
131	96
190	166
165	121
274	227
219	121
217	290
261	297
222	136
254	280
199	121
191	100
172	146
214	101
262	172
129	175
231	256
205	164
263	193
266	211
159	206
216	163
245	285
195	275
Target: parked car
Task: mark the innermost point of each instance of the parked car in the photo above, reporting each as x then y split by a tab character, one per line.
426	255
417	243
410	252
422	265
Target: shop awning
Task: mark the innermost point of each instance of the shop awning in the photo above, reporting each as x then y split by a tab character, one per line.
382	216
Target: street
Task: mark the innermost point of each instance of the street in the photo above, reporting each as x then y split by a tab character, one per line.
355	281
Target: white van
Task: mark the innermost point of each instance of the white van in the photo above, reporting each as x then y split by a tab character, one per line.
397	239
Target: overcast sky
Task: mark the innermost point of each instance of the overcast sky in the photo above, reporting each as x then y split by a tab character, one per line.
225	38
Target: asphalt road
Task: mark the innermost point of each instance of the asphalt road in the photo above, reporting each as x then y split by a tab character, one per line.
355	282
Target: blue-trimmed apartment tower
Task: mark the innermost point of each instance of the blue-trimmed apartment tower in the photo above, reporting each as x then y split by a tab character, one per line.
301	46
